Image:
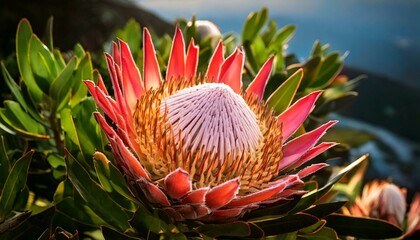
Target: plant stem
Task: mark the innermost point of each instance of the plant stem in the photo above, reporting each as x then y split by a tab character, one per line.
56	134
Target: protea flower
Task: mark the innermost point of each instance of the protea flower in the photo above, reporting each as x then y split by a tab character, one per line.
203	147
387	201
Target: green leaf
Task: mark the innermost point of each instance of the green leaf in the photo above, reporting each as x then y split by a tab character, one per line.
4	163
76	211
95	196
145	222
283	96
325	209
60	64
287	224
109	233
84	71
113	182
330	67
284	236
42	63
277	208
23	36
282	37
324	233
61	86
32	227
15	119
83	134
253	25
15	182
49	35
79	52
14	221
17	93
269	33
311	71
131	34
313	196
313	228
362	227
233	229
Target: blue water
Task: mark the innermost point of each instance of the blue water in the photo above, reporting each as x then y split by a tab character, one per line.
382	36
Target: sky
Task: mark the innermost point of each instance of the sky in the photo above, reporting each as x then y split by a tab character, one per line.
382	36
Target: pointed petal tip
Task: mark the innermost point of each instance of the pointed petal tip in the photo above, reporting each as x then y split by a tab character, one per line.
257	86
311	169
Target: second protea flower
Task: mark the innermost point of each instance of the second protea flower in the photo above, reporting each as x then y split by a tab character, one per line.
203	147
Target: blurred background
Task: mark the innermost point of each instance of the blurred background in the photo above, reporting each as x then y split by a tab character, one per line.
382	38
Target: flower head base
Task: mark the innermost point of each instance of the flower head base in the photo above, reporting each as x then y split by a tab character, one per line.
203	147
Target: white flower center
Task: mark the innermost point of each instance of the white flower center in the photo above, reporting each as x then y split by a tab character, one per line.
213	117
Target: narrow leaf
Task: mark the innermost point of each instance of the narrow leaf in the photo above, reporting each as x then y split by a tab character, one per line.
31	227
61	86
42	63
15	182
109	233
281	98
15	121
23	36
362	227
17	93
4	163
325	209
95	196
287	224
234	229
313	196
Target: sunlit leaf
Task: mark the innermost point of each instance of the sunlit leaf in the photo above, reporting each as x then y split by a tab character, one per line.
95	196
61	86
42	63
15	182
49	34
282	37
253	25
131	34
144	222
281	99
313	196
113	182
83	133
78	212
17	93
19	122
23	36
84	71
